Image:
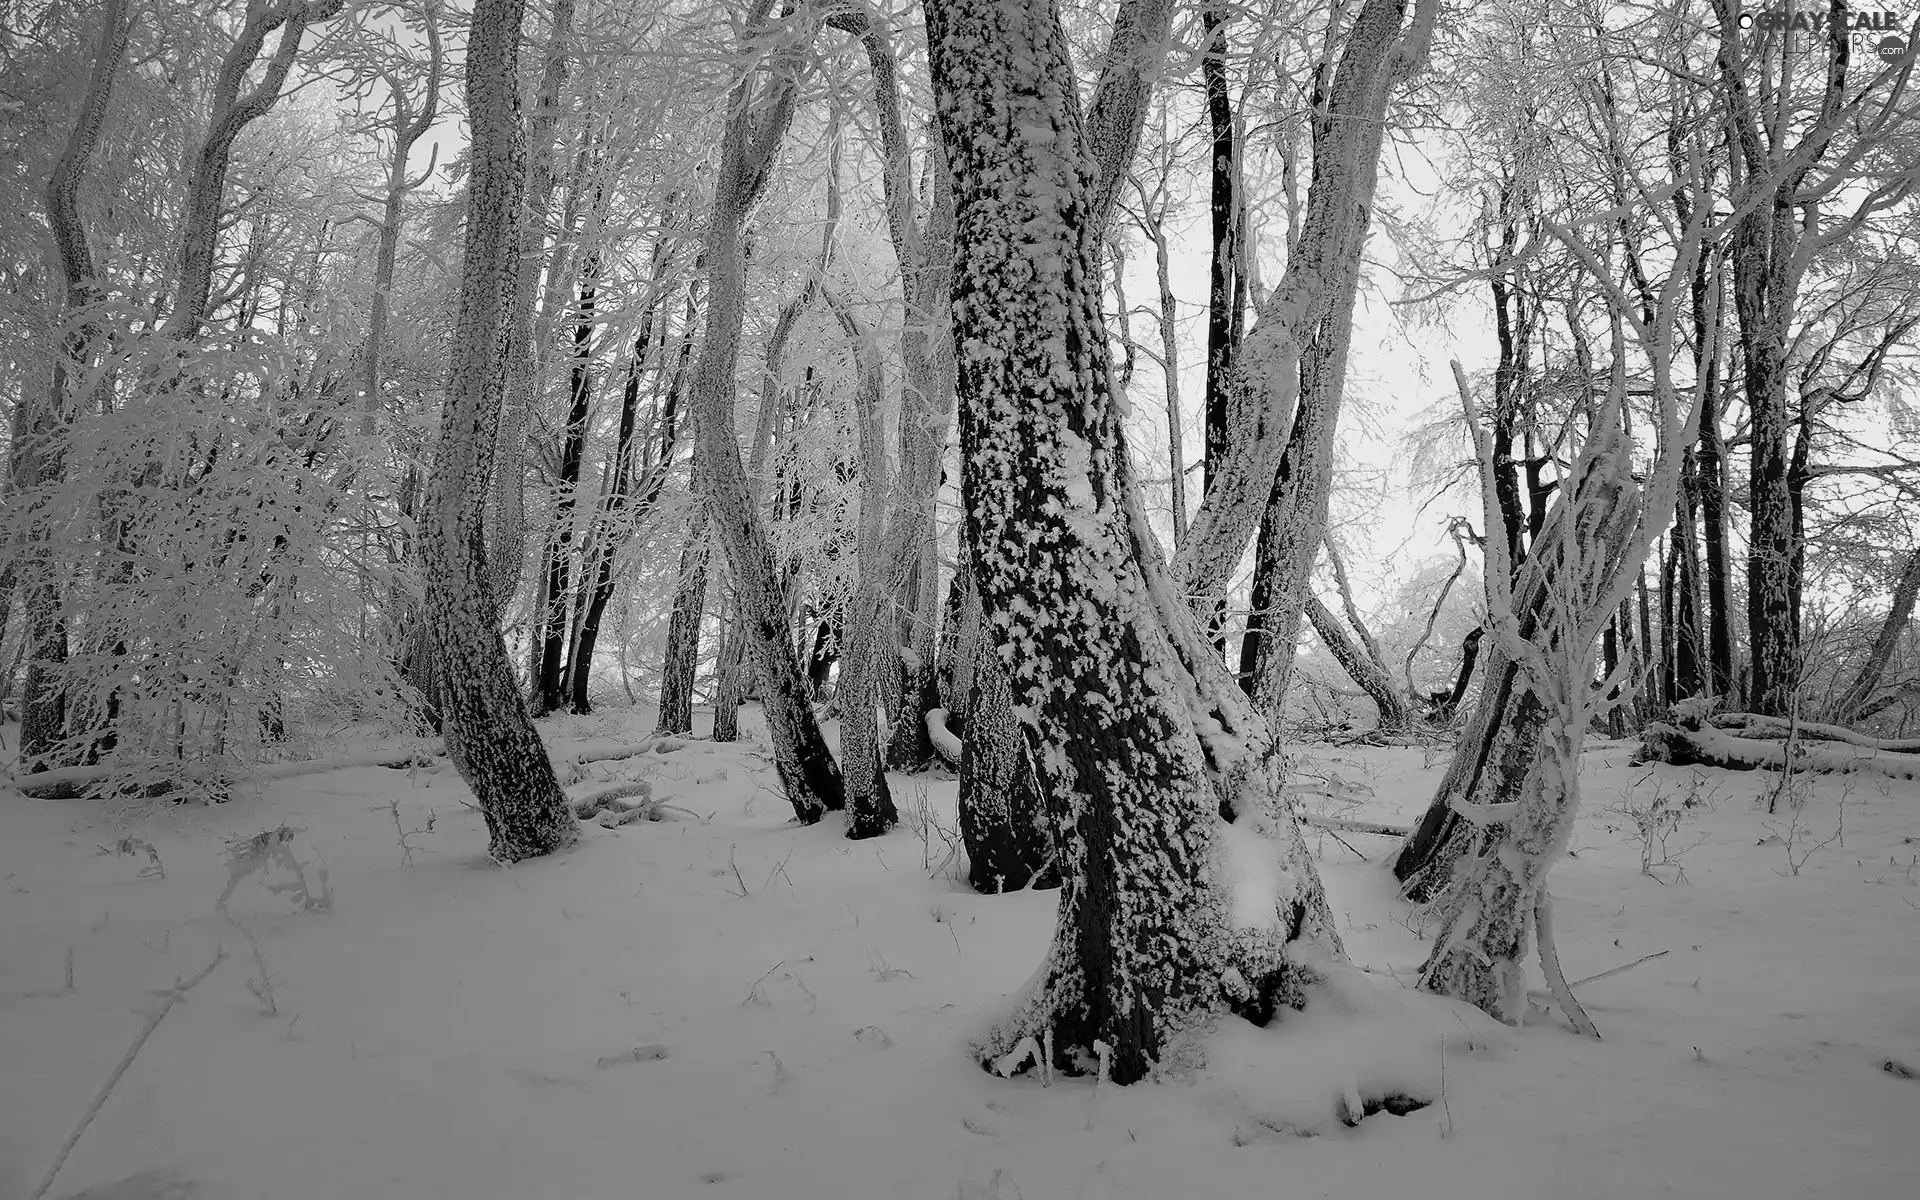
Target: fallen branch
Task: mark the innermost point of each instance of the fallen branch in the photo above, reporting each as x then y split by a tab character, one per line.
1661	742
1345	826
1753	725
173	995
63	783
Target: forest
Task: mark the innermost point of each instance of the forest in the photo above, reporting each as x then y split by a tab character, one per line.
1309	514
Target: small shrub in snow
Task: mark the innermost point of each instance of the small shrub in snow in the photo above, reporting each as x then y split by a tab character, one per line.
1799	841
1654	818
270	848
134	847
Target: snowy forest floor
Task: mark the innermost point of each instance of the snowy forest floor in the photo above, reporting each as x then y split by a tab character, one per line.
620	1021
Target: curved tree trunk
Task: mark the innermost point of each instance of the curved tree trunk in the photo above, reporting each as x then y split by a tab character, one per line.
755	127
36	458
1112	673
489	737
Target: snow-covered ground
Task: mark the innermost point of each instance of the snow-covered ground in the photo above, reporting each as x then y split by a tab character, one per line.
621	1021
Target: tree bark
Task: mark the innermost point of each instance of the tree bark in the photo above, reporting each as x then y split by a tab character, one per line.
408	127
755	126
549	685
1502	742
489	736
507	528
1002	820
681	661
1325	276
231	113
1112	673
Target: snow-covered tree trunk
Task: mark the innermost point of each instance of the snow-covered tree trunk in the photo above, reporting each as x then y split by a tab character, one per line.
1003	823
1496	896
489	737
1382	49
36	460
870	809
923	248
1501	744
1171	909
755	126
507	523
408	125
231	113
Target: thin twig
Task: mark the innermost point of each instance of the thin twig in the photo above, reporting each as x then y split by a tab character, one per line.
173	996
1615	971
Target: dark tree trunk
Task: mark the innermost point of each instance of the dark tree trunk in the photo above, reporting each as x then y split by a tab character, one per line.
550	690
489	737
681	661
909	749
1222	208
1146	944
623	511
1365	671
1002	820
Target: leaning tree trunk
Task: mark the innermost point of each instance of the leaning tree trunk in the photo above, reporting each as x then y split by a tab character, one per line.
489	737
1848	708
755	127
1002	820
1346	153
1502	740
1369	674
1134	719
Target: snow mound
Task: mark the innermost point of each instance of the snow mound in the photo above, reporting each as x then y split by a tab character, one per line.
1363	1043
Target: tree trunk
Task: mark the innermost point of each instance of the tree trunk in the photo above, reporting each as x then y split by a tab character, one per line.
407	128
1112	673
507	529
1369	674
1222	210
551	630
1905	591
37	459
231	113
681	661
489	737
1502	741
754	130
1002	820
909	749
1347	138
870	809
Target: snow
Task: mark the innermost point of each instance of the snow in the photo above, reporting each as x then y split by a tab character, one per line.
620	1021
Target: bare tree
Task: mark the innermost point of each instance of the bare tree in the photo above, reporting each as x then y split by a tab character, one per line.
758	116
489	736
